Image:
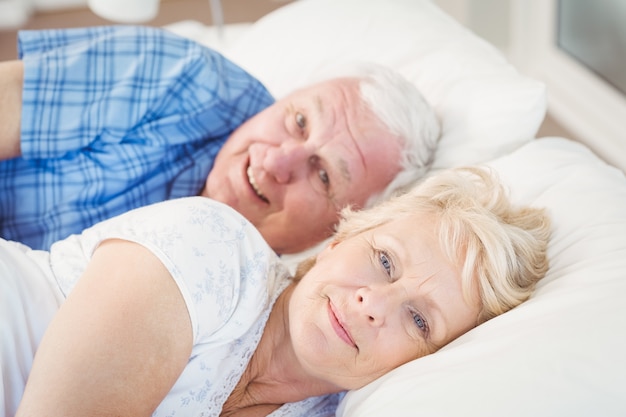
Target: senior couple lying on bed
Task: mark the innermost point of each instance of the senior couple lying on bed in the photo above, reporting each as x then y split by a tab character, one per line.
182	306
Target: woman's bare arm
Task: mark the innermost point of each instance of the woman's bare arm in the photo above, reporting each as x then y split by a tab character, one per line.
118	343
11	80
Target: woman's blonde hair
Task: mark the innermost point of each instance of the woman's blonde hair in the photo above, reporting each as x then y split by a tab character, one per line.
502	248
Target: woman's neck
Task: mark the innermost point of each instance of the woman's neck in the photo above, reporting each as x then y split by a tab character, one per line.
274	375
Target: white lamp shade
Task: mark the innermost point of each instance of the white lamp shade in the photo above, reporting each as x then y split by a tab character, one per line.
125	11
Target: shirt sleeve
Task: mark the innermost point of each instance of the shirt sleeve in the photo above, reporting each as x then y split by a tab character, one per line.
89	87
224	269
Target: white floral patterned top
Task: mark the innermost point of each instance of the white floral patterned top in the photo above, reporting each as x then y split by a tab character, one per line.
229	278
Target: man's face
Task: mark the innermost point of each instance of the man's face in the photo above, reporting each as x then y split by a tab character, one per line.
292	167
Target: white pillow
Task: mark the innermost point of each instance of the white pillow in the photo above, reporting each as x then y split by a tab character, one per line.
486	107
563	352
219	38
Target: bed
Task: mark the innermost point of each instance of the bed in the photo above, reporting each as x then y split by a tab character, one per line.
563	352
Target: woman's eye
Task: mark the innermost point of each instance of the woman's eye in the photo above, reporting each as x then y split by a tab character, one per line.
300	120
420	322
385	262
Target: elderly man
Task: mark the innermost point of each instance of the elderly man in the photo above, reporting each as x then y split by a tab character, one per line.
95	122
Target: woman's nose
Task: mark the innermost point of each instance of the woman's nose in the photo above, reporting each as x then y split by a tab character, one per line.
376	303
284	161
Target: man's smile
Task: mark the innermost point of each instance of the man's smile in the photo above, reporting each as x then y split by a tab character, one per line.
254	184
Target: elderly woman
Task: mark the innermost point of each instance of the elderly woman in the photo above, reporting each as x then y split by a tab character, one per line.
181	308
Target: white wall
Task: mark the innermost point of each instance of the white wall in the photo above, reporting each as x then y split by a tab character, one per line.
489	19
579	100
14	13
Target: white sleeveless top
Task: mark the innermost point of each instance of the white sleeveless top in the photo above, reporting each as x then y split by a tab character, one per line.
229	278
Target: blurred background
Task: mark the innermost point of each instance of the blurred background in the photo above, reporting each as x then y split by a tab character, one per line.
576	47
39	14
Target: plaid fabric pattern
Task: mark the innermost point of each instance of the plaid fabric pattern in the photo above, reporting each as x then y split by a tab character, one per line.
114	118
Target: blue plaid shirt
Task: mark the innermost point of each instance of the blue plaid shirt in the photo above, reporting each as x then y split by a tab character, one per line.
115	118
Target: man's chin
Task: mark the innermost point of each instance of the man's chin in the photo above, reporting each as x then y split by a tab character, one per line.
278	243
287	246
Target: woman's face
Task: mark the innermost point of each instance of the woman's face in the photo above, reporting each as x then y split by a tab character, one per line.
378	300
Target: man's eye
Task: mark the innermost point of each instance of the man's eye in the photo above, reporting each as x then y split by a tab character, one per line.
300	120
324	176
385	262
420	322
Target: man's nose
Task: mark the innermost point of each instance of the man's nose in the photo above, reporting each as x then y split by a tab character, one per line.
285	161
377	302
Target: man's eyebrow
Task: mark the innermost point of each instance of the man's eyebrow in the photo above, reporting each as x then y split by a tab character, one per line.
341	162
318	105
343	168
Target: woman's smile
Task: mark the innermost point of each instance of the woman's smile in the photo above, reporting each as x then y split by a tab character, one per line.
338	327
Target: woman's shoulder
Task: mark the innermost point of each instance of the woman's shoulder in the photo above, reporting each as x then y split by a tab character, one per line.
198	223
198	207
190	229
200	212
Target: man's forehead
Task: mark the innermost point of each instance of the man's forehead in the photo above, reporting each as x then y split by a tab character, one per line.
339	86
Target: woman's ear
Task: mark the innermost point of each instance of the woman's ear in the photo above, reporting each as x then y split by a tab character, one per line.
305	265
329	247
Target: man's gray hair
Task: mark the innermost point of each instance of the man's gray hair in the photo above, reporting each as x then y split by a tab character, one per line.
401	107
